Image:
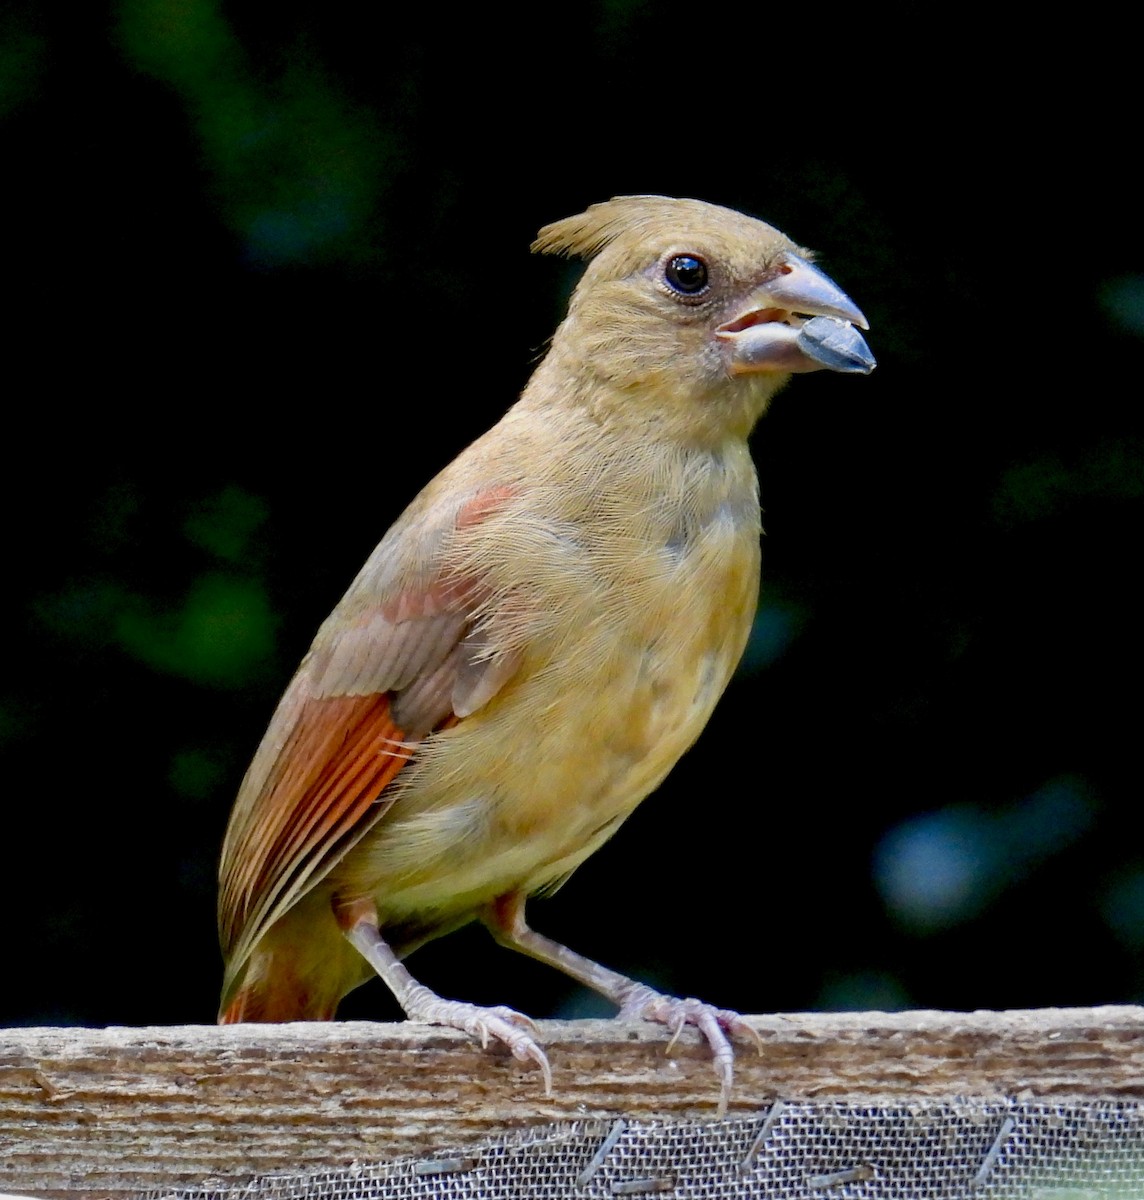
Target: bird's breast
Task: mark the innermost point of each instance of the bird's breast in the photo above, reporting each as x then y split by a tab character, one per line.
627	637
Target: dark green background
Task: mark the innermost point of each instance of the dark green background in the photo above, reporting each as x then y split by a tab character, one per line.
267	270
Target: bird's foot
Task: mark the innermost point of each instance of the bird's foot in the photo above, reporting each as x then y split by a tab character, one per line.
713	1023
513	1029
499	1023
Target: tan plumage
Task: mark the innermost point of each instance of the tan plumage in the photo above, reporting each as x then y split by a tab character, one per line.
539	636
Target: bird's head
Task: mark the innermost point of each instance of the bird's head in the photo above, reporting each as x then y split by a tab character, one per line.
696	310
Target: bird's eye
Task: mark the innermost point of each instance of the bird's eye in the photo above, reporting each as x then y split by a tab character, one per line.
686	274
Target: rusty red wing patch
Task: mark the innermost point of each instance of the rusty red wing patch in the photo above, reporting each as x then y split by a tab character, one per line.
339	756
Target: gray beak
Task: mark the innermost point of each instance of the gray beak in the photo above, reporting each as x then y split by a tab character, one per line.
798	320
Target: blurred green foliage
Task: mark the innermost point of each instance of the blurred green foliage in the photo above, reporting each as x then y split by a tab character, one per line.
195	774
1051	486
23	55
295	167
220	633
227	524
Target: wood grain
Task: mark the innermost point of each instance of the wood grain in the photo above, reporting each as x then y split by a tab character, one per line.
115	1111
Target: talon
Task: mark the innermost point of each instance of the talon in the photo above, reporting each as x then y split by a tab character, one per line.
740	1026
713	1023
501	1024
534	1052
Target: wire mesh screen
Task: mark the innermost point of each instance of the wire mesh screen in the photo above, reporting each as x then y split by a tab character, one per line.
985	1150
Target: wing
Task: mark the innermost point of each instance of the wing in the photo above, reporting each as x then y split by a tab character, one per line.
398	658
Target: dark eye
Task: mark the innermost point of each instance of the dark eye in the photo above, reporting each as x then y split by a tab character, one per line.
686	274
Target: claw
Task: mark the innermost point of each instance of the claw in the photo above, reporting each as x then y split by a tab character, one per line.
713	1023
675	1032
740	1027
505	1025
531	1052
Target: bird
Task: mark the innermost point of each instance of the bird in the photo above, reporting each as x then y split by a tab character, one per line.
537	639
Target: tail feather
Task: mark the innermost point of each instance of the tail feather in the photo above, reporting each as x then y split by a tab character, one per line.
271	1001
298	972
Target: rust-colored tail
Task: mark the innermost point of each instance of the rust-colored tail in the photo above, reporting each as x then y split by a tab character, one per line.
273	1002
298	972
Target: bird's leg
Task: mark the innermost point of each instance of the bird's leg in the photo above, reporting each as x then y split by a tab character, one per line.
359	923
505	921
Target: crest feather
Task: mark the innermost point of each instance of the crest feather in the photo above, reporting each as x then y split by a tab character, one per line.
586	234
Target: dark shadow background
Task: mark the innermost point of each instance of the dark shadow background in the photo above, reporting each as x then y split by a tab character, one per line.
267	270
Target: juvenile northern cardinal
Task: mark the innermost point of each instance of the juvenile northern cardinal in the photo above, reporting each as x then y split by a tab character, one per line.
537	639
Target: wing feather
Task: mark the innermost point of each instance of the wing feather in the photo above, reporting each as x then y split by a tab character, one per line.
383	673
